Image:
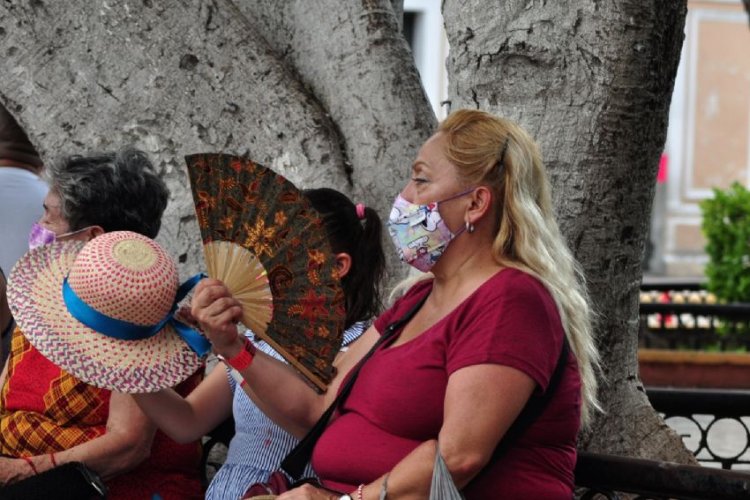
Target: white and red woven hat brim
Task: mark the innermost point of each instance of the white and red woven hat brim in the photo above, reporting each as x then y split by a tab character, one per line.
131	366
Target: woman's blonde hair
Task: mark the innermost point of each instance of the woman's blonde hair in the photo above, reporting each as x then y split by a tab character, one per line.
495	152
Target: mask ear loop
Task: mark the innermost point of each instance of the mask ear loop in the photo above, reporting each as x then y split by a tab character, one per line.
71	233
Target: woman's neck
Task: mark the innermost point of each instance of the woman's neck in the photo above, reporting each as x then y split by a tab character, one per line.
463	270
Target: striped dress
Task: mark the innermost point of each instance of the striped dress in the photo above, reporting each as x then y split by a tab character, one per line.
258	445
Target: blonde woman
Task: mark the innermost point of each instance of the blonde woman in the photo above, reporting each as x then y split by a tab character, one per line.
505	294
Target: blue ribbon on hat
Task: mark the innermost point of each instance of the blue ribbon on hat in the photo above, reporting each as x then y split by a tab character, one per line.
125	330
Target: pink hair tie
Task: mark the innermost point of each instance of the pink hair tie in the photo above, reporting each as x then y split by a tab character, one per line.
360	211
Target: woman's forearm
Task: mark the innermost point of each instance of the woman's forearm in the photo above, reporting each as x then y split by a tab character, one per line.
125	444
188	419
281	394
411	478
108	455
172	414
273	385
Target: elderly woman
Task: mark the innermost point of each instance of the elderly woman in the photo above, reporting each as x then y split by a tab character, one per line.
47	416
505	299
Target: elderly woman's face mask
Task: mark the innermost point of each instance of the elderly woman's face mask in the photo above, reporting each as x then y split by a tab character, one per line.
40	235
52	226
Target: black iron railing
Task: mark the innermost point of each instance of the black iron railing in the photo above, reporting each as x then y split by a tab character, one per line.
712	422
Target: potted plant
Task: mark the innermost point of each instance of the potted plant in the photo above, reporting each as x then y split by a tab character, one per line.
726	226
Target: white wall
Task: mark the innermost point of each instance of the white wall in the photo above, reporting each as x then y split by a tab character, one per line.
430	46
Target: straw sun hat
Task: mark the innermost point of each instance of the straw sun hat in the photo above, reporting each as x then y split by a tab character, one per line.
121	283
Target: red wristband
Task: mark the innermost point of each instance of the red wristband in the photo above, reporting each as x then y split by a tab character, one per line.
31	464
243	359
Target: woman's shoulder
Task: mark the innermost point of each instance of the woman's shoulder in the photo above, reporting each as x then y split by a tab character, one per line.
511	287
516	281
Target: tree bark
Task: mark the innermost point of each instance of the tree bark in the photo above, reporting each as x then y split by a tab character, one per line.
592	82
173	77
354	59
398	10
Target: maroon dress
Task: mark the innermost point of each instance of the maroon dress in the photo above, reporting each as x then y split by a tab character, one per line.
397	401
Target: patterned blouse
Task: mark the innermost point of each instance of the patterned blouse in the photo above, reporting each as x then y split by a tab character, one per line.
258	445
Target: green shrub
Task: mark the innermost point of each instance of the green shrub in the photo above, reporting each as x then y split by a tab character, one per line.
726	225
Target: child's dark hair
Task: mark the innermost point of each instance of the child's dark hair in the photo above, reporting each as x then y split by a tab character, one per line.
361	239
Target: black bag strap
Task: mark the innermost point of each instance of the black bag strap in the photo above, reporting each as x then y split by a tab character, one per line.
535	405
295	462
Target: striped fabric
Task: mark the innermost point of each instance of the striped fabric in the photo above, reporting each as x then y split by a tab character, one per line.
259	445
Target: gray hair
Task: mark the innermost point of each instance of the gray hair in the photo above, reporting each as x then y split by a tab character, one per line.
118	191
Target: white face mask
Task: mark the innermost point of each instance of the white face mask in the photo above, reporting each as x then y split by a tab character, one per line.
419	231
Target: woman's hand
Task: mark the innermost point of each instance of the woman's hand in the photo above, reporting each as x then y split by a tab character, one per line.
308	492
218	312
13	470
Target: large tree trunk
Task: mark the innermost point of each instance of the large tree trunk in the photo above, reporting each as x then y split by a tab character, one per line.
354	59
182	76
593	84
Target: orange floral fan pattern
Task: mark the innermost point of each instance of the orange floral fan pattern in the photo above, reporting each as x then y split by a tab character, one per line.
266	242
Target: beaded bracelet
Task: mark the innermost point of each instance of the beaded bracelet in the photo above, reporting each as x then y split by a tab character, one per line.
359	492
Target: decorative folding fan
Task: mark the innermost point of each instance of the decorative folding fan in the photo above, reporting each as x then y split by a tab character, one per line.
264	240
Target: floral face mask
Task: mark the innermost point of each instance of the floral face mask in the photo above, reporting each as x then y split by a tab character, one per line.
40	235
419	231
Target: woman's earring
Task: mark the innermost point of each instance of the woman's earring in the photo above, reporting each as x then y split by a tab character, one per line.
469	227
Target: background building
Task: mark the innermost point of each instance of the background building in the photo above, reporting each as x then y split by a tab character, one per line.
708	141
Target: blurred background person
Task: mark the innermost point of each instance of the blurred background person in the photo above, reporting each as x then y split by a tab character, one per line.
21	194
21	190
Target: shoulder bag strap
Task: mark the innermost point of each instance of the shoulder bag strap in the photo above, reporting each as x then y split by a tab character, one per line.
535	405
295	462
